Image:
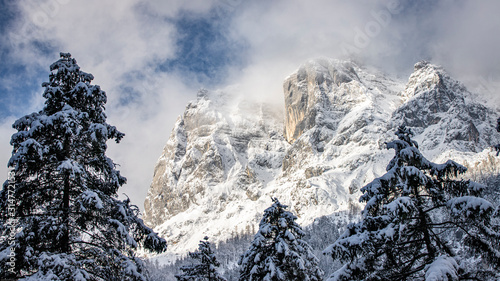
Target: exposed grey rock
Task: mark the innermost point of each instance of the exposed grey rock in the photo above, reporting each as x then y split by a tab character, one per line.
227	156
306	92
442	110
211	145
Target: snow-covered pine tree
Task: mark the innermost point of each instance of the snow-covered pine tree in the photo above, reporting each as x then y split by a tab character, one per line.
206	270
278	251
60	212
420	223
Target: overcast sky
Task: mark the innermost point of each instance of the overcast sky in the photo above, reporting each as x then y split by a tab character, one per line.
151	57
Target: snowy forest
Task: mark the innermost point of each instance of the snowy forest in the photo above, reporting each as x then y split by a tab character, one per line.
61	217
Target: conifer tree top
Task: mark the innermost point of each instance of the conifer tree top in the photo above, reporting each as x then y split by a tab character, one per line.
205	269
71	223
278	251
410	223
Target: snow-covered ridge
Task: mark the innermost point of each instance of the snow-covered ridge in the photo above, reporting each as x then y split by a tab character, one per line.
221	153
227	156
444	114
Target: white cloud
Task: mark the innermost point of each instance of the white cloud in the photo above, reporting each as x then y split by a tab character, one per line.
122	44
462	36
468	44
147	125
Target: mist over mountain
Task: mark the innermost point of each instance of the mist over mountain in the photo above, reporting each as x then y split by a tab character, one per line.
228	155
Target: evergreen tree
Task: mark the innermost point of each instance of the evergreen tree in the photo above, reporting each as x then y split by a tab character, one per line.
60	218
278	251
420	223
206	269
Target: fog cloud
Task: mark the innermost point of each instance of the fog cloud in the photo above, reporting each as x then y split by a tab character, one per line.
130	45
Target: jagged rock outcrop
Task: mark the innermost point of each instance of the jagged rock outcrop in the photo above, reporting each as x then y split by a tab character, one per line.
222	150
343	99
227	156
331	160
443	112
306	93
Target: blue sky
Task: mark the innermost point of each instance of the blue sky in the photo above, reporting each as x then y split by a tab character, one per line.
203	49
202	52
151	57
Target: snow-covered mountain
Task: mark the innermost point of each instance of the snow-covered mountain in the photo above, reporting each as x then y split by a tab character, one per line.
227	155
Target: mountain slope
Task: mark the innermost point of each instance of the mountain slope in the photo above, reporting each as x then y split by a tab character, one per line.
227	156
215	160
444	113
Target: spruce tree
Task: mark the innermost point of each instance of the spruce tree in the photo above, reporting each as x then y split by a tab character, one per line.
206	269
278	251
60	215
420	223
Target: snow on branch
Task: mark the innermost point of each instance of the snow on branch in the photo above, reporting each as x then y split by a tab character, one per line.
470	207
442	268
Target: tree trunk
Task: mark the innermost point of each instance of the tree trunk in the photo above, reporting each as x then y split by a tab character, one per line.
65	208
424	227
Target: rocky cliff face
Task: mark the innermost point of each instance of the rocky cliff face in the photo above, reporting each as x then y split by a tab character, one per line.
443	113
222	152
226	156
306	93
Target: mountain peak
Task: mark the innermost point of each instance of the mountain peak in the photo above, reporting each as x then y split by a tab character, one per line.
307	87
428	77
227	156
322	88
222	151
442	111
421	64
